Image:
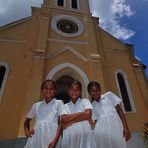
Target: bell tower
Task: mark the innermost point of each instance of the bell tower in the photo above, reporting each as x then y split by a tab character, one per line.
75	5
67	18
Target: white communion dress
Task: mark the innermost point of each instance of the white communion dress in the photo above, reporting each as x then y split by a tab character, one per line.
46	123
78	135
109	129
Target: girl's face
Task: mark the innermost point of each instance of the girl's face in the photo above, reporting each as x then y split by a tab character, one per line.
48	91
95	93
74	92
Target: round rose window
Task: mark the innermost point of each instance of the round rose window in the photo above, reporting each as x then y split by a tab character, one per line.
67	26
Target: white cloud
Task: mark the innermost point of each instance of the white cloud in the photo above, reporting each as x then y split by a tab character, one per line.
110	12
119	31
120	8
101	9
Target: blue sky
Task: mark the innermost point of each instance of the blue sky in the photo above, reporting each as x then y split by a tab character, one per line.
127	20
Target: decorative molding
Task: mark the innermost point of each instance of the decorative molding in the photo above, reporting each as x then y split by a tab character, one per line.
128	90
39	54
95	58
64	49
68	41
138	66
13	41
114	50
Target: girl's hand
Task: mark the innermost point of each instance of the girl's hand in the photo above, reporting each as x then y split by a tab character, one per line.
32	132
126	134
62	119
29	133
92	123
52	144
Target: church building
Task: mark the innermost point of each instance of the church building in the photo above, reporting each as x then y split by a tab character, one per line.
62	41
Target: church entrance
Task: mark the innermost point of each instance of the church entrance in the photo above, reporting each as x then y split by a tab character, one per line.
64	74
63	84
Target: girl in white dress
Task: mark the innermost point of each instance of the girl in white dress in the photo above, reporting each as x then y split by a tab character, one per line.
46	113
111	130
77	113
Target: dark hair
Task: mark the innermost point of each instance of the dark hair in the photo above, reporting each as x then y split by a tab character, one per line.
76	83
48	81
91	84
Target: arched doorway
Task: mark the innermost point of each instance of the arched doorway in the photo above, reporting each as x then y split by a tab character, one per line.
63	84
73	71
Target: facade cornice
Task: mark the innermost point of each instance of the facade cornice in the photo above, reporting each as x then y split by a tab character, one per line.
67	41
13	40
114	50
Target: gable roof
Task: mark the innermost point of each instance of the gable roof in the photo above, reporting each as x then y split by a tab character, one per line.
15	23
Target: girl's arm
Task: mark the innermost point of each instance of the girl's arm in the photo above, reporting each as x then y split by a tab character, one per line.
67	120
53	143
28	133
76	117
60	129
92	123
126	131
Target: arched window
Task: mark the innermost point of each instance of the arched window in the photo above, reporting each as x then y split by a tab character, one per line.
74	4
125	93
4	70
2	74
60	2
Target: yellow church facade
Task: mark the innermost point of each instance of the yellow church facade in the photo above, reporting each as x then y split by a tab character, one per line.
63	42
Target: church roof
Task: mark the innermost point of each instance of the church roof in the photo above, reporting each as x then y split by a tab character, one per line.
15	23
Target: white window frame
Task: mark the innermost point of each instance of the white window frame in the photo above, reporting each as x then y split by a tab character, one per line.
2	63
128	91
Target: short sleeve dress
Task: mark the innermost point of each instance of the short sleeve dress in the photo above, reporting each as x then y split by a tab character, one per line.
46	123
108	131
78	135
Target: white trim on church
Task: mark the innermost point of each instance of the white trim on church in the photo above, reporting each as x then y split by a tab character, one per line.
64	49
